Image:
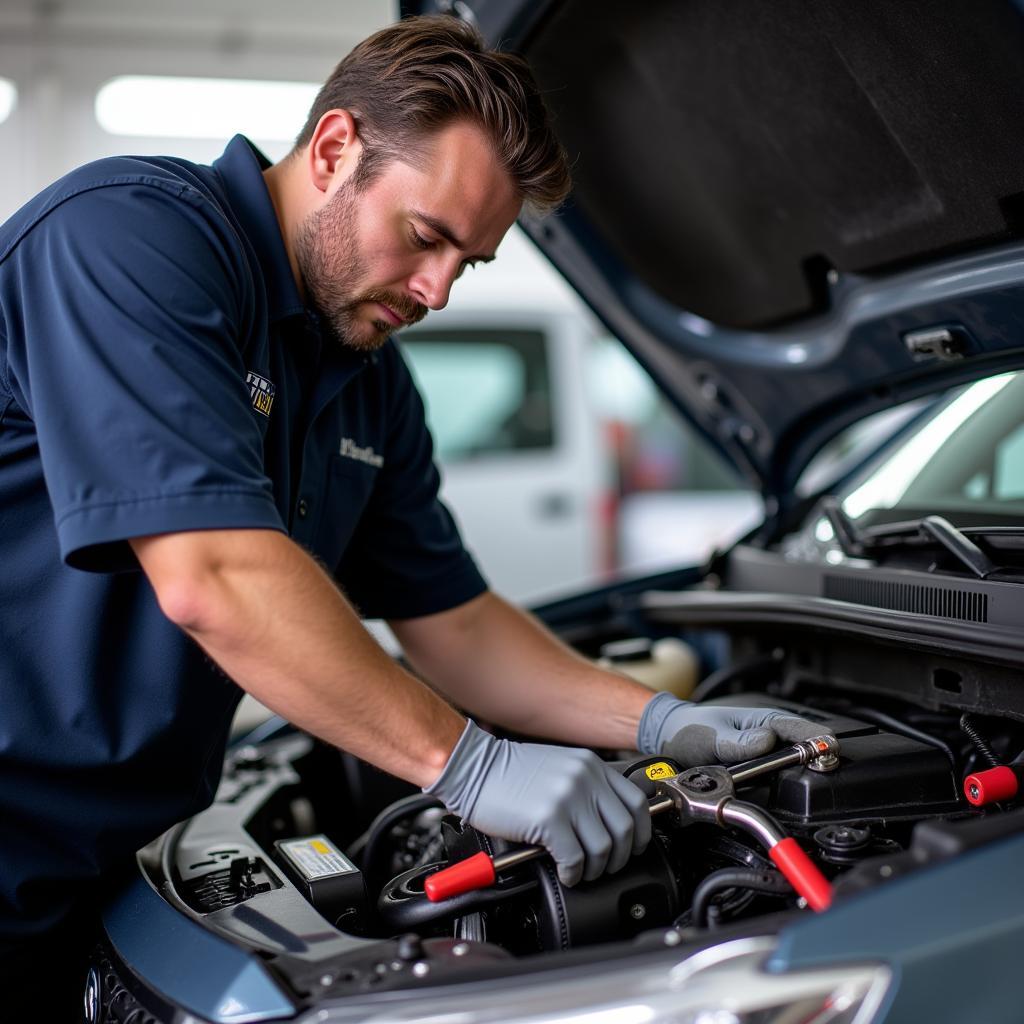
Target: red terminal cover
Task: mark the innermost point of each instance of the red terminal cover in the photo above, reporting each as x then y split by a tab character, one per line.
991	786
802	873
474	872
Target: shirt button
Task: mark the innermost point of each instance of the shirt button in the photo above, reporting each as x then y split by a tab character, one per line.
303	508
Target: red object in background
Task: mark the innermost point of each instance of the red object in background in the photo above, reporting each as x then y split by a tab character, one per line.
607	515
606	510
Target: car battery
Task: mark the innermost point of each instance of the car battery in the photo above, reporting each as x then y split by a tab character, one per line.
329	880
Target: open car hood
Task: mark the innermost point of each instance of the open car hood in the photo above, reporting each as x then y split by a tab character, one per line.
793	214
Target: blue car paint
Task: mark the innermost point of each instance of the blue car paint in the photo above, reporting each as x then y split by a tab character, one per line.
769	400
953	934
186	963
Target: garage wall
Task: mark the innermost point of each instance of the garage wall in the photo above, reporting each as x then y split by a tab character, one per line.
59	55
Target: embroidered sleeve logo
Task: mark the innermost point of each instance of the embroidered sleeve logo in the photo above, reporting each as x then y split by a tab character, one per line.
261	392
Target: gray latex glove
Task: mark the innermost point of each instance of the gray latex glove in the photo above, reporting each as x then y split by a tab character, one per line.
695	734
588	816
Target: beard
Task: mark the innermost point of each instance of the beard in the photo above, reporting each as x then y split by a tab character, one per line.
331	266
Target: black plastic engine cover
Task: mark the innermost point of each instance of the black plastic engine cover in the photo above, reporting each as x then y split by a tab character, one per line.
881	776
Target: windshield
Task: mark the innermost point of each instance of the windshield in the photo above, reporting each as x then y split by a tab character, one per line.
965	462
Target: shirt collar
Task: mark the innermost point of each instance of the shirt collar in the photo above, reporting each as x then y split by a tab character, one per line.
240	168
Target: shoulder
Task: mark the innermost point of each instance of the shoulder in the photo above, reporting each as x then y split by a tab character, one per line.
152	223
117	197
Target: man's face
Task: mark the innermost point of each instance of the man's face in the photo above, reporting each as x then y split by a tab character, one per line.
375	258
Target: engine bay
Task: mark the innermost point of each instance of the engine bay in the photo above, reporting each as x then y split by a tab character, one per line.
317	861
694	874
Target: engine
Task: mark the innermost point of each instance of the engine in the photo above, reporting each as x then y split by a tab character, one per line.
318	863
890	776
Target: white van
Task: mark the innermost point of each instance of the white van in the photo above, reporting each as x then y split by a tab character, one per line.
502	370
538	419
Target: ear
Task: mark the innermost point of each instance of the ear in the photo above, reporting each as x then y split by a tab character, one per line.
333	151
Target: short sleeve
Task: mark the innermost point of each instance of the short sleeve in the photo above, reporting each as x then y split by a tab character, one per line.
124	307
406	557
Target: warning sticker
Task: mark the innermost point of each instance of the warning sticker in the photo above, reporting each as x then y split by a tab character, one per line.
659	770
318	857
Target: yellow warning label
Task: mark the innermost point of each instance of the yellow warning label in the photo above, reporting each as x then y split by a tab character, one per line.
316	857
659	770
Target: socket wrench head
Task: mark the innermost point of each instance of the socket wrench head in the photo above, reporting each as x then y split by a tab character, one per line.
823	753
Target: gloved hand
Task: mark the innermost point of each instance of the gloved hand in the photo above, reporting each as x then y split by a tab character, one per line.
588	816
695	734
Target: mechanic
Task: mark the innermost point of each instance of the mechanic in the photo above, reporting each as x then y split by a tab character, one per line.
198	381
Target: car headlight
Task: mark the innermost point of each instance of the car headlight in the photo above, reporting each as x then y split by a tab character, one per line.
725	984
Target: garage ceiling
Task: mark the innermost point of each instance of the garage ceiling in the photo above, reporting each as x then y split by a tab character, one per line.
232	25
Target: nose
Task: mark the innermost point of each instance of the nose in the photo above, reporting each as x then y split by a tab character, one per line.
432	281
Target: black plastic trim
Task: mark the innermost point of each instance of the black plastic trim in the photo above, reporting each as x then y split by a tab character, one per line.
973	640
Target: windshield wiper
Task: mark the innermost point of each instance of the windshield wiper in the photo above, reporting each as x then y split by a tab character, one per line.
857	543
846	531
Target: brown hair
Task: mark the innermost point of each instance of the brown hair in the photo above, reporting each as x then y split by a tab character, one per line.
419	75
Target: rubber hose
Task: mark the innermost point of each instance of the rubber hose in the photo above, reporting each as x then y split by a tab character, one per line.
734	878
981	744
365	849
719	680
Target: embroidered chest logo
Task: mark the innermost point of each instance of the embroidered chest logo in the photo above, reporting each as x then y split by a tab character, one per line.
350	450
261	392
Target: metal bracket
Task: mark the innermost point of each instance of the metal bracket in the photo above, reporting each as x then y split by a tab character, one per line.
944	343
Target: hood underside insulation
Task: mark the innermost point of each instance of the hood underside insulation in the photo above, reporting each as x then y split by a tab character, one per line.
731	152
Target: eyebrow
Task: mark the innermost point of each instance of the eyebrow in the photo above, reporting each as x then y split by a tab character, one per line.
442	229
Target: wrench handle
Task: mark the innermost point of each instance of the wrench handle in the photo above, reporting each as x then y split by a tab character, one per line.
481	870
802	873
474	872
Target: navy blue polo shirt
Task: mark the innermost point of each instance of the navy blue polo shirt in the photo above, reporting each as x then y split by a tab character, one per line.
159	373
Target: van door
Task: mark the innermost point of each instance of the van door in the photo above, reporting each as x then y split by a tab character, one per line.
519	454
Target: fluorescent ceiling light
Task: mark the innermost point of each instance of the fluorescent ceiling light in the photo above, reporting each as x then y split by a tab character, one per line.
8	98
203	108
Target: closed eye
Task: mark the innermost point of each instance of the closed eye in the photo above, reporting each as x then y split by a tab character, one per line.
418	240
438	227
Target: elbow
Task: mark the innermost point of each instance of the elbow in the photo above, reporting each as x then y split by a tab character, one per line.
204	580
183	578
184	600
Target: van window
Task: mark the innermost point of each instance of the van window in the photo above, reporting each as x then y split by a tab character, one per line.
486	391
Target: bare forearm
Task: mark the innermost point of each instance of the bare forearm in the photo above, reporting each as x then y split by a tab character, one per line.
275	623
502	665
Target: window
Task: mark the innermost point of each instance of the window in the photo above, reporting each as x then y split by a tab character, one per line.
8	98
203	108
1009	467
486	392
853	445
964	461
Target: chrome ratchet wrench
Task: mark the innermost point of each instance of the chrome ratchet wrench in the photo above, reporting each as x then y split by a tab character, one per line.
705	794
